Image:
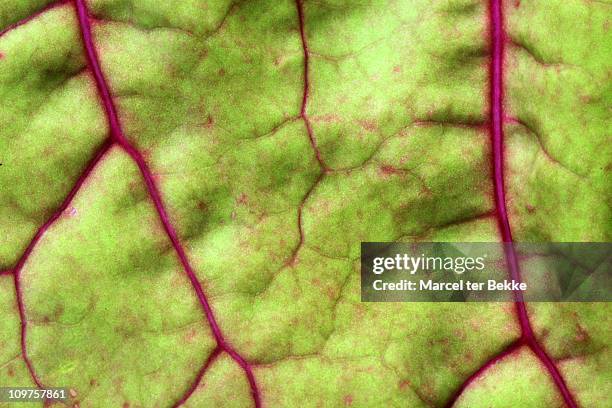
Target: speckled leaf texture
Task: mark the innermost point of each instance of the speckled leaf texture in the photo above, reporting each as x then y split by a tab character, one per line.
185	185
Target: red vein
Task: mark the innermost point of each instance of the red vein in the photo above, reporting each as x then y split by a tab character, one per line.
209	361
497	137
478	373
300	221
118	137
33	16
28	251
554	372
306	93
498	38
311	137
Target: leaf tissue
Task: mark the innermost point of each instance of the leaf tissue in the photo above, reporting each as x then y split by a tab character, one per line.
185	186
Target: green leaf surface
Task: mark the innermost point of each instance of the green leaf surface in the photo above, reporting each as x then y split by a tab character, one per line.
182	225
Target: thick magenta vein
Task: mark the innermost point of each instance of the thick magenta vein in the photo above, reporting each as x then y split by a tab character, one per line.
306	91
28	251
496	111
497	135
118	137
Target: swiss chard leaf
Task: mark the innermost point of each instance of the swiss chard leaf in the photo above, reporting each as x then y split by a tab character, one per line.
185	186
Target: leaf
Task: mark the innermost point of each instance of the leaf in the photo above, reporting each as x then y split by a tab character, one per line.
185	187
500	385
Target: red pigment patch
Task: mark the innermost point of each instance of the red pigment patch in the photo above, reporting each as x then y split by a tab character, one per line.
404	384
209	122
326	118
582	334
389	170
243	199
190	336
368	125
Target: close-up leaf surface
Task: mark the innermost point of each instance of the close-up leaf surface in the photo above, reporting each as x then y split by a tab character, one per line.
184	188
